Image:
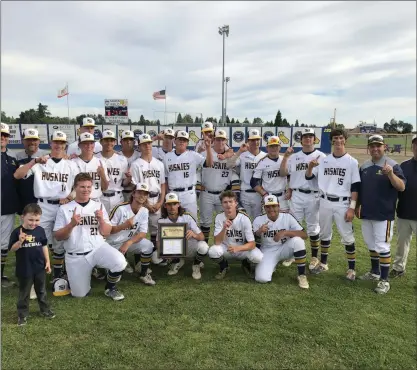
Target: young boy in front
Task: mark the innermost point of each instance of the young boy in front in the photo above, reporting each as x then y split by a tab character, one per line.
32	260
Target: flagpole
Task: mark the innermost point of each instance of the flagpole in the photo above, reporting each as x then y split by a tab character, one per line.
165	112
69	121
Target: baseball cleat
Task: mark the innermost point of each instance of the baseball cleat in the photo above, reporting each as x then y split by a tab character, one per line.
370	276
48	314
314	262
6	282
175	267
147	280
395	274
129	269
98	274
382	287
288	263
303	282
196	272
138	268
21	321
351	275
114	294
320	268
222	273
32	293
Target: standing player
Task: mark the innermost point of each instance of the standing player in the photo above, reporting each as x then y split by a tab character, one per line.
172	212
246	159
281	238
381	180
181	168
167	136
117	171
305	200
233	237
53	179
88	163
266	179
129	228
207	131
88	126
339	181
82	225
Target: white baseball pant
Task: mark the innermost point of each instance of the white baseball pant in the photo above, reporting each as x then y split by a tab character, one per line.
79	268
145	246
188	200
208	204
7	226
216	251
335	211
405	229
154	217
377	235
252	202
272	255
196	246
110	202
48	217
306	207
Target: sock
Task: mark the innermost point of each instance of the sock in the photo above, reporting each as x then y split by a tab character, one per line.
198	258
375	262
3	260
153	240
300	260
137	258
314	242
223	264
145	260
57	262
113	278
385	261
206	232
325	245
351	255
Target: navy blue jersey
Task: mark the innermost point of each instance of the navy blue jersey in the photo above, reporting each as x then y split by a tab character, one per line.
378	198
9	197
407	199
30	259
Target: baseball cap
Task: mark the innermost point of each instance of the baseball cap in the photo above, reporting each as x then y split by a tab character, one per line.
61	288
182	134
142	186
5	129
171	198
413	139
207	126
273	140
308	131
145	138
271	200
169	132
58	136
85	137
376	139
221	134
254	134
88	122
108	134
31	133
128	135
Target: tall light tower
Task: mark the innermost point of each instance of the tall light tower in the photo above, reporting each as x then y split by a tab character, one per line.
227	79
223	31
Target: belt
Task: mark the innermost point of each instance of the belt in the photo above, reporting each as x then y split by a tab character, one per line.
79	254
49	201
337	199
249	191
306	191
111	194
183	189
153	195
127	191
213	192
278	194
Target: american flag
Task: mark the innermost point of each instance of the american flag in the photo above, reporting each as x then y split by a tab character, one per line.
159	95
63	92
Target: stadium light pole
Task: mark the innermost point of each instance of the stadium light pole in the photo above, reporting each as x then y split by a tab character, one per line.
227	79
223	31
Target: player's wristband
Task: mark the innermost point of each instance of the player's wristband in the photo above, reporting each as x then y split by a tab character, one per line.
352	204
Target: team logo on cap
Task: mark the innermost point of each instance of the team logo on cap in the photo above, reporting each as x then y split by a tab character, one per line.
238	136
89	120
59	134
143	186
146	137
273	140
31	132
171	196
270	200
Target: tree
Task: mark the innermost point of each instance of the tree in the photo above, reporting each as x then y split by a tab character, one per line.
141	120
158	122
6	119
237	122
196	120
258	121
406	128
285	123
43	111
227	119
278	119
214	120
296	123
246	121
232	121
187	119
179	118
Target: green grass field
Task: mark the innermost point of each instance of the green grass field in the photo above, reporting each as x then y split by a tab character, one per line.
232	324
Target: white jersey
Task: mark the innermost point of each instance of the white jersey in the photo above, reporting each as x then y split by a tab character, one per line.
116	170
159	153
239	233
297	166
185	218
53	180
91	168
268	171
218	176
122	213
181	170
246	164
132	158
151	173
285	221
74	149
336	175
85	236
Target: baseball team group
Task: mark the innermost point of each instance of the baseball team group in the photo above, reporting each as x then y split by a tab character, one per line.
90	206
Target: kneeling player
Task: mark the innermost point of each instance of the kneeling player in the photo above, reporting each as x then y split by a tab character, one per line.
129	227
172	212
233	237
281	239
82	224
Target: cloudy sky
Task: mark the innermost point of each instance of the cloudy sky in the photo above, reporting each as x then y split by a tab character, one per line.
302	58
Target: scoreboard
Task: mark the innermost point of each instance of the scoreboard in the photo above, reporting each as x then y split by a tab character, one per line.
116	111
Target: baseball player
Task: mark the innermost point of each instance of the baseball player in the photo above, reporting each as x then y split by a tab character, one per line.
282	237
266	179
381	180
246	159
180	170
117	171
167	137
88	126
87	162
233	237
53	178
82	225
215	180
127	142
338	181
172	212
305	199
129	228
9	199
150	171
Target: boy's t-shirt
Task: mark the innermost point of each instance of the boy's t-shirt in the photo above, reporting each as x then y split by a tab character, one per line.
30	259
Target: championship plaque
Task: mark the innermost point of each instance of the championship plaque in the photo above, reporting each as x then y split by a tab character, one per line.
172	240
